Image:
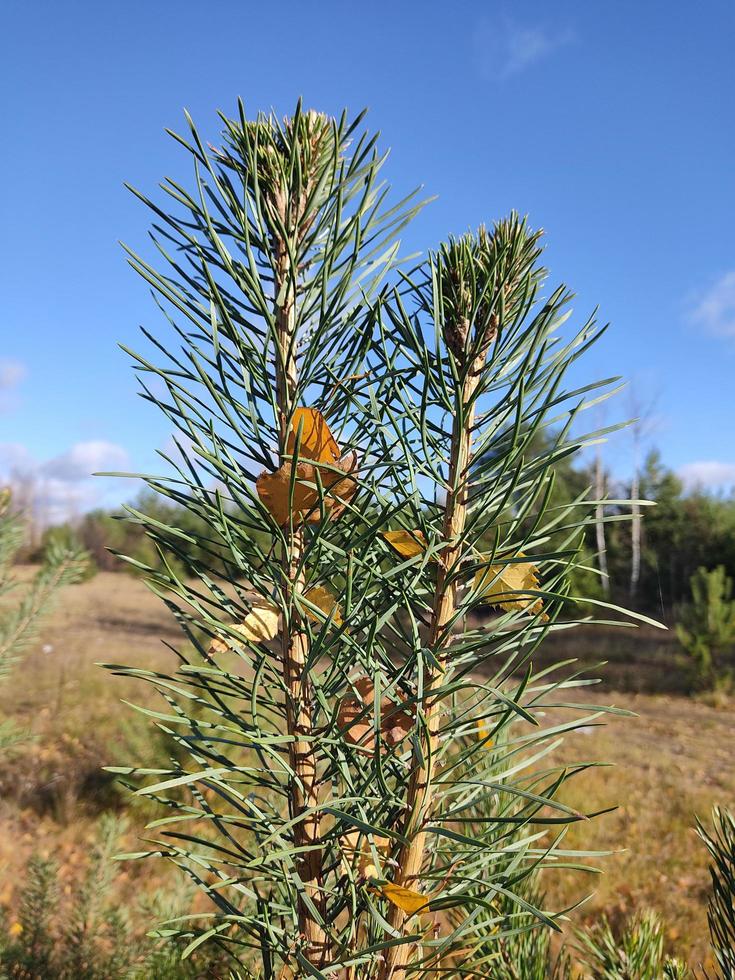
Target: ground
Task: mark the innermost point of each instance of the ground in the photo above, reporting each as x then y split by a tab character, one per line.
671	762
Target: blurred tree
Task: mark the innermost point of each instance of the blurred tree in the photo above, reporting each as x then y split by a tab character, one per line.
19	620
681	533
706	628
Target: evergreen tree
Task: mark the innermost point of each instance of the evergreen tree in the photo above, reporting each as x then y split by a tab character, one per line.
377	451
20	619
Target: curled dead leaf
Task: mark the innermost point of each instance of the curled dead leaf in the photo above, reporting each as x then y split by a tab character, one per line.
406	899
259	626
356	712
338	484
504	585
395	722
408	544
325	600
319	463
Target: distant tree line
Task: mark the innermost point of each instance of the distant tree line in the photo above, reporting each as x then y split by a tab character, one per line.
686	530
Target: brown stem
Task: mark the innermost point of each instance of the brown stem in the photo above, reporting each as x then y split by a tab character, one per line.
303	790
418	798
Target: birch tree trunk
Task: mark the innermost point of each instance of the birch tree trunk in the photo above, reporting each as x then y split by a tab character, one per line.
600	525
635	526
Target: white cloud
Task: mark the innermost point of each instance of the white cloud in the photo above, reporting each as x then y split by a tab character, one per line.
14	457
84	459
61	488
505	48
12	373
714	308
708	475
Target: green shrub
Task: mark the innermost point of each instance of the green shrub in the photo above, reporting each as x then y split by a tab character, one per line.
370	460
22	613
706	627
720	842
637	954
87	934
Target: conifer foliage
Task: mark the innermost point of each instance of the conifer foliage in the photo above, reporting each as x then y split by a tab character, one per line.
368	782
24	606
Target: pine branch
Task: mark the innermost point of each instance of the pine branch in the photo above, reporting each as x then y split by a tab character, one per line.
19	627
720	842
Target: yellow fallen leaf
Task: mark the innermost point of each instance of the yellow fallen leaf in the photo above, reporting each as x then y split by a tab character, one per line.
507	586
259	626
317	442
261	623
355	715
406	899
406	543
319	461
483	730
358	855
339	485
323	599
16	929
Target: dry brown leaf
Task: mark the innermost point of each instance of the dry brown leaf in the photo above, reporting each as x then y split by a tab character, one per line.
339	485
321	597
356	715
407	899
259	626
395	722
317	442
505	585
406	543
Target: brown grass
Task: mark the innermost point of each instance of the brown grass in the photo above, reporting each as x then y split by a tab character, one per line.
671	762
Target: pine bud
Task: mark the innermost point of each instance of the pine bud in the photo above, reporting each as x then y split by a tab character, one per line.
487	281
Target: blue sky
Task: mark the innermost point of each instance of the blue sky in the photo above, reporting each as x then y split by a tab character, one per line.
610	125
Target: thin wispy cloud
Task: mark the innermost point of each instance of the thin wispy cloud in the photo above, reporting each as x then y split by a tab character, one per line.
85	458
708	475
61	488
12	372
713	310
505	48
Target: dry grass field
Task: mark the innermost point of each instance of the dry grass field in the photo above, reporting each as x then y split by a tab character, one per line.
674	760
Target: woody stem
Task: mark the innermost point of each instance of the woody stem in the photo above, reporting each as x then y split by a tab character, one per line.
303	792
419	798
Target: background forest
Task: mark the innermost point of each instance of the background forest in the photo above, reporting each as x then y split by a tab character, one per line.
642	557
